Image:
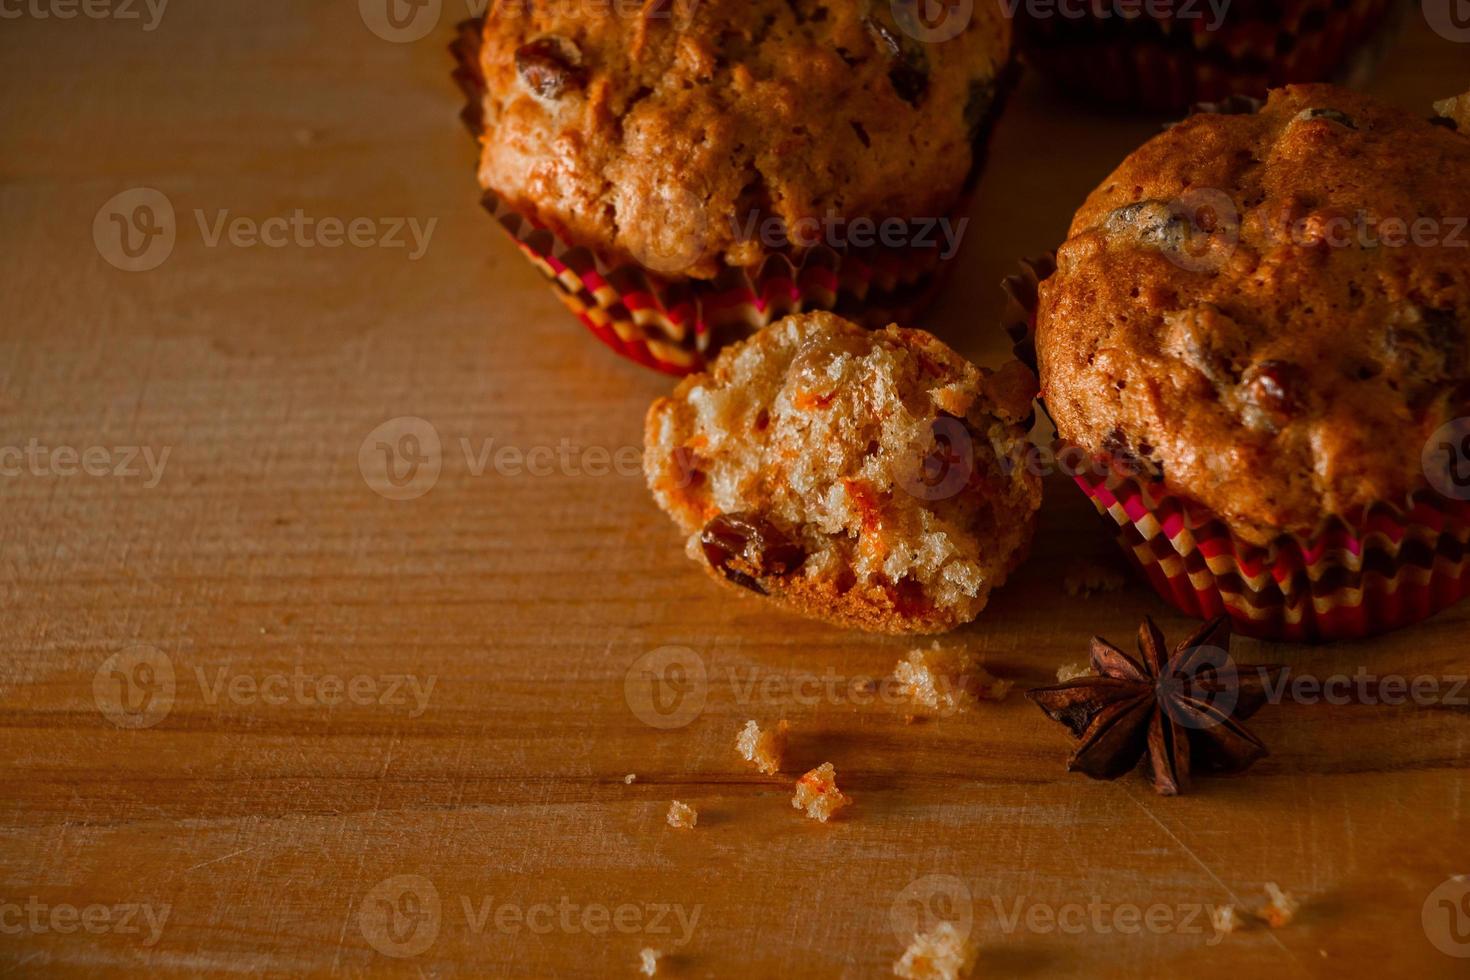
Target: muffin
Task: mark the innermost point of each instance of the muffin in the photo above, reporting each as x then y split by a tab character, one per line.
1258	330
874	479
1170	55
690	170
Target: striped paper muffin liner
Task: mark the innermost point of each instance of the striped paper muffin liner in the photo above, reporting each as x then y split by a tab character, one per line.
1388	568
1173	62
676	325
1380	570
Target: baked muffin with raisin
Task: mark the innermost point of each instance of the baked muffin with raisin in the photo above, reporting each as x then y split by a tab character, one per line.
873	479
1263	319
689	170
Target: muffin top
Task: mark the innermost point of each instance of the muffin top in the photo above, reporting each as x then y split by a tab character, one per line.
1269	310
669	131
875	479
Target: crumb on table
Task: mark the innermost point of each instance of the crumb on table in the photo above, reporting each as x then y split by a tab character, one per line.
817	793
1072	671
1281	907
630	777
1084	577
649	958
763	748
682	815
1457	108
940	954
946	679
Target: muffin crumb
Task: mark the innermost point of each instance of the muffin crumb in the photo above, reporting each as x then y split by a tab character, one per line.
1457	110
682	815
946	679
1085	578
818	795
764	749
1072	671
1280	909
940	954
649	958
629	778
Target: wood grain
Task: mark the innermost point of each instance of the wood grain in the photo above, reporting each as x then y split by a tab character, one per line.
266	820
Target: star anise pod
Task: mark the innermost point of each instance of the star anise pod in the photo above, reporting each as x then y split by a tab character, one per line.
1182	712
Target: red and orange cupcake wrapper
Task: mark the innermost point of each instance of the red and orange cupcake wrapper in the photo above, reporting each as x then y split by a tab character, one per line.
1388	567
677	325
1184	62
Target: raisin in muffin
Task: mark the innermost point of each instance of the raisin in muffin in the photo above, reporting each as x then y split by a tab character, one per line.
1267	315
1170	55
716	145
873	479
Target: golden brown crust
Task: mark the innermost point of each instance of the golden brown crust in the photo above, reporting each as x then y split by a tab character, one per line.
873	479
657	134
1283	358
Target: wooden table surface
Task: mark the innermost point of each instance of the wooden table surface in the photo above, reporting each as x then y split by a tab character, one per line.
258	718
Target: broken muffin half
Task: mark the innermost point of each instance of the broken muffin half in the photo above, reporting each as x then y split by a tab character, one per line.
874	479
